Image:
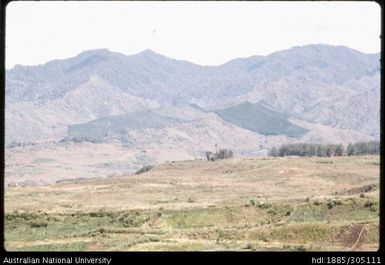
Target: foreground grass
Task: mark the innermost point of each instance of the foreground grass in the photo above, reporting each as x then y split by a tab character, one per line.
255	204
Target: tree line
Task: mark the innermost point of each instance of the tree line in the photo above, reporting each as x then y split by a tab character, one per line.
326	150
363	148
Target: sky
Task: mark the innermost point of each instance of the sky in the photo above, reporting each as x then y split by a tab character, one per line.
205	33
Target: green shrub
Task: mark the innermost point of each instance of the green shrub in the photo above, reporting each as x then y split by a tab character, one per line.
288	213
369	204
263	205
337	202
37	224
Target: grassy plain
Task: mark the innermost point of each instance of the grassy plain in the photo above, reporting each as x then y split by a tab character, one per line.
241	204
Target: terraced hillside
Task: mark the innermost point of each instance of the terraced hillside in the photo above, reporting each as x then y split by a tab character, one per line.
290	203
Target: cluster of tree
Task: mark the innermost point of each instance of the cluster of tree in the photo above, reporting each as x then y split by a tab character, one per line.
303	149
363	148
221	154
323	150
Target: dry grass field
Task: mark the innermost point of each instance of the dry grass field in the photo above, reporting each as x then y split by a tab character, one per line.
248	204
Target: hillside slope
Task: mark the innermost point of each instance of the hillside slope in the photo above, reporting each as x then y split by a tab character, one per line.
249	204
301	81
328	104
261	119
31	121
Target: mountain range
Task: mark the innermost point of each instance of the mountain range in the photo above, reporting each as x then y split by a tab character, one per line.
313	93
103	113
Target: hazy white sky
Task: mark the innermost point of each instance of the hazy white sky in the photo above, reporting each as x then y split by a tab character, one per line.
206	33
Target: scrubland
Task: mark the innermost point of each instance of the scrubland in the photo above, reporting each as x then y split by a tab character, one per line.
238	204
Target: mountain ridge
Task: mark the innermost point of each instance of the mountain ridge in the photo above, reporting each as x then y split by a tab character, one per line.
150	51
62	71
306	82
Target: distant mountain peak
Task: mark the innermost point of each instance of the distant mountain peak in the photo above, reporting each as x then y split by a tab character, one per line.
95	52
105	51
147	51
320	49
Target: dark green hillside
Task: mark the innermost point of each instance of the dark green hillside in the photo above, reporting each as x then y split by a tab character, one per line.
261	119
99	128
